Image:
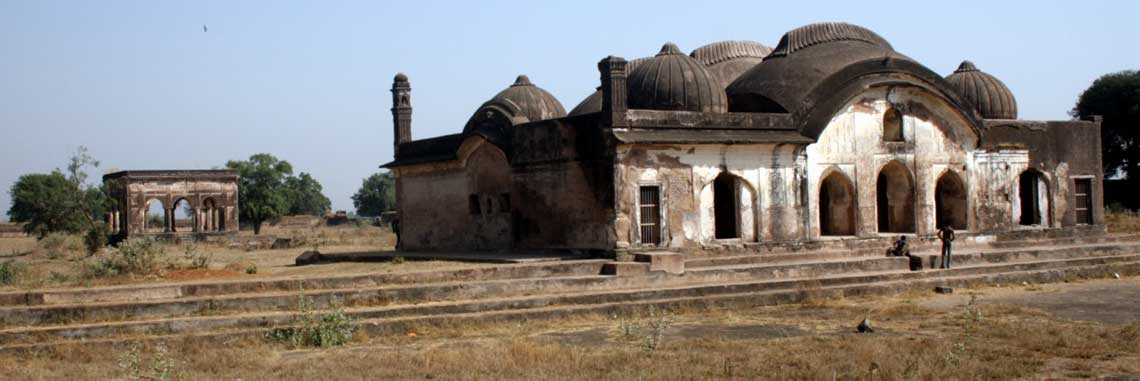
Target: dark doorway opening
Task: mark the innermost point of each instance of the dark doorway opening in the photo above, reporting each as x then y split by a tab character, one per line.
1083	207
836	205
725	201
1031	189
895	199
649	203
950	201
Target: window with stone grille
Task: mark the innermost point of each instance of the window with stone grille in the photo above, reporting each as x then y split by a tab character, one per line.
1083	200
649	204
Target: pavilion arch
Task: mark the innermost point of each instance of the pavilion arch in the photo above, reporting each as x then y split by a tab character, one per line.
182	220
950	201
155	222
729	206
895	199
1034	200
837	204
488	179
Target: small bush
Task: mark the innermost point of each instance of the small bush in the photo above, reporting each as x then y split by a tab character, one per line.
251	269
398	260
196	259
95	240
648	329
59	245
9	271
316	329
136	366
138	256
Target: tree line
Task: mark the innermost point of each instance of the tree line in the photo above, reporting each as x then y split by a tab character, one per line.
63	201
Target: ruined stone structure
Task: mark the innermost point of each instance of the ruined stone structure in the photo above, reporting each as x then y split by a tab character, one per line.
830	135
211	196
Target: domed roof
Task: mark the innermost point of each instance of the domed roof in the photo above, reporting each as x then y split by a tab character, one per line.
593	102
672	80
819	33
727	60
532	101
400	77
987	94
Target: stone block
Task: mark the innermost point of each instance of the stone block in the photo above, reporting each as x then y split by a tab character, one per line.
667	261
625	268
309	258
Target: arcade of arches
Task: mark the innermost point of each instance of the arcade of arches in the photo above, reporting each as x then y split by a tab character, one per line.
176	201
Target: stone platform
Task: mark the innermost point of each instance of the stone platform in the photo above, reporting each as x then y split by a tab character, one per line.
396	303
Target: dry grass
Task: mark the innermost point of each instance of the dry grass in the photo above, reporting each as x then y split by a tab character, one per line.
1122	221
974	341
40	267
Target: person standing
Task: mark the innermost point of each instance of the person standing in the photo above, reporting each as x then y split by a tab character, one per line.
946	234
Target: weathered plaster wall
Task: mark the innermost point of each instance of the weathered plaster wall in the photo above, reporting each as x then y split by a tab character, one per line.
936	139
562	185
436	204
768	203
1063	151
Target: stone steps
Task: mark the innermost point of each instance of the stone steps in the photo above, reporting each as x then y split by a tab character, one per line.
544	307
171	291
265	320
420	293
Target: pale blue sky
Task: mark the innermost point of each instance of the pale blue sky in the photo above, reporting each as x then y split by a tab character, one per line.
141	85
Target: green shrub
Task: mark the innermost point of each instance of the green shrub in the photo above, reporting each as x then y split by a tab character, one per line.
316	329
251	269
95	240
197	259
138	256
9	271
58	245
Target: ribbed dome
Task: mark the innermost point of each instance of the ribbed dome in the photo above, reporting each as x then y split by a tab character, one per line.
727	60
984	92
718	52
819	33
593	102
672	80
533	102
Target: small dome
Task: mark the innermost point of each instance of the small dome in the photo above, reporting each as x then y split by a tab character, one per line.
819	33
401	77
984	92
532	101
674	81
727	60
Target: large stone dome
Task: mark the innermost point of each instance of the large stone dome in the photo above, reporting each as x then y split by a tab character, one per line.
674	81
593	102
984	92
727	60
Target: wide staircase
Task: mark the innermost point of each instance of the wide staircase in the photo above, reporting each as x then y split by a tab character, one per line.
396	303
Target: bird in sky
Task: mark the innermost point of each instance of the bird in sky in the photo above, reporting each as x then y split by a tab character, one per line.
204	28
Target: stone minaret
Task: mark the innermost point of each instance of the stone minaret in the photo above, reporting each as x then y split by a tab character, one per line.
401	111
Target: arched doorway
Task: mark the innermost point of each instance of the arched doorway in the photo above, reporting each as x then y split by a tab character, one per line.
950	201
894	197
1033	196
183	216
156	217
836	205
726	201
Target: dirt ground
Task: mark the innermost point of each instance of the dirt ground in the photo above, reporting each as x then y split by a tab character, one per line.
38	266
1020	332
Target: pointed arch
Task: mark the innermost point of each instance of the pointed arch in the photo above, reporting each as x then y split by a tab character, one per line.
892	125
895	199
837	204
950	205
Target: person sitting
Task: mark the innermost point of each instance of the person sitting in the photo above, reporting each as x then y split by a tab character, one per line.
900	248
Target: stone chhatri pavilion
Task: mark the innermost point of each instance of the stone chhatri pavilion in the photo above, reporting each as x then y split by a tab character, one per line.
830	135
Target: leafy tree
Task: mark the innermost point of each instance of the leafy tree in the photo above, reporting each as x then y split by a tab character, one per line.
57	203
261	188
1116	97
376	195
305	197
44	203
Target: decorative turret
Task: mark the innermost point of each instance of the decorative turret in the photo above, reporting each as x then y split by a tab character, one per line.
401	110
984	92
